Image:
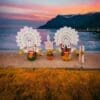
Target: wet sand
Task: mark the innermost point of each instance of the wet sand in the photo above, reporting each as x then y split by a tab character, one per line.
92	61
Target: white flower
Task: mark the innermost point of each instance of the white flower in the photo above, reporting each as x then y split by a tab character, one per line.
66	36
28	38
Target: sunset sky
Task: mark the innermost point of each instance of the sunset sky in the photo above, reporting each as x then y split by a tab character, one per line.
43	10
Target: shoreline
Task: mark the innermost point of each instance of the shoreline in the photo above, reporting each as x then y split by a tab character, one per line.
16	51
20	61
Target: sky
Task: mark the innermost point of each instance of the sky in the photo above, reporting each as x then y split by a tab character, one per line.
44	10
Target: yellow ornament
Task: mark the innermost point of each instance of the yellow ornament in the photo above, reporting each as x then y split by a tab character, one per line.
21	52
66	56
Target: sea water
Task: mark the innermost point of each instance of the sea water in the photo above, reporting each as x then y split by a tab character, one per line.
8	39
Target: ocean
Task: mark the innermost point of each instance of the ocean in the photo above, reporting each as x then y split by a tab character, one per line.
8	39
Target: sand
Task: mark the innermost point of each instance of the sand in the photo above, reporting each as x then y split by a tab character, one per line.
92	61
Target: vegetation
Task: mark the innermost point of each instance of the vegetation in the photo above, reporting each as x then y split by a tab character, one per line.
49	84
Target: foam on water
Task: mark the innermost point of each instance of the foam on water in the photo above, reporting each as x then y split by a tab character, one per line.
8	39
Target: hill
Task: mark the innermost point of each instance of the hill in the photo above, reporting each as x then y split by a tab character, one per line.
84	21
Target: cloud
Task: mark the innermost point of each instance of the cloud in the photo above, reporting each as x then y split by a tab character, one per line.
38	10
21	9
47	2
38	13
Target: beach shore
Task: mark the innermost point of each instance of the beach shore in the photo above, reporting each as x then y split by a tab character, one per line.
92	61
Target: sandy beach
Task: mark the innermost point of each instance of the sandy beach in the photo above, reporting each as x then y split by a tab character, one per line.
92	61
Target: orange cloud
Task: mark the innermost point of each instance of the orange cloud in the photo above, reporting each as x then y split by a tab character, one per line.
77	9
23	13
44	13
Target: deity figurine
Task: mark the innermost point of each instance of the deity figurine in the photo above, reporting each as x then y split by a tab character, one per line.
66	38
32	54
65	52
49	48
29	40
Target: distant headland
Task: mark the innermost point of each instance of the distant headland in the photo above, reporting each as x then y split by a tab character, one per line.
81	22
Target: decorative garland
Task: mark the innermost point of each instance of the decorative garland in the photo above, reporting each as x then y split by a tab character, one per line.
66	36
28	39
